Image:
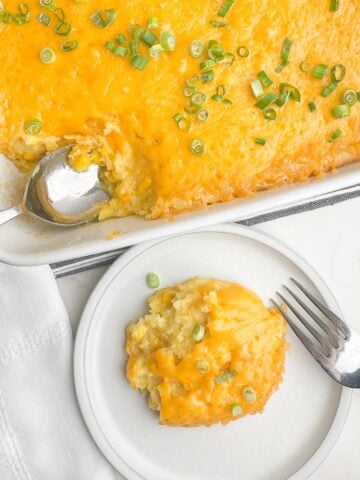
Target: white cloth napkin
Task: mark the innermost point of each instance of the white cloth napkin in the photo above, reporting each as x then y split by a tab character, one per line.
42	434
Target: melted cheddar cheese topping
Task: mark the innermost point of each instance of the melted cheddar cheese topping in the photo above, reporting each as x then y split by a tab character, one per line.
122	117
194	380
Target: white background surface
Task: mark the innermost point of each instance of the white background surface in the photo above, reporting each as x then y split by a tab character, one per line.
329	239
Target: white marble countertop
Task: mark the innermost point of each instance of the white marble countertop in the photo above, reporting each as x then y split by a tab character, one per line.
329	239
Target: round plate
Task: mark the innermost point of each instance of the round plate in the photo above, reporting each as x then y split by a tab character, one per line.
302	420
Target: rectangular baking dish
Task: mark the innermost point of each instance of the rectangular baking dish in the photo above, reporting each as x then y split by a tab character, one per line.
25	241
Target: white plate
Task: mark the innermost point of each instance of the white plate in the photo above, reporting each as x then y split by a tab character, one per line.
302	420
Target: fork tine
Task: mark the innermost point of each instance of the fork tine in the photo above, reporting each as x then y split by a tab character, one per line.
332	333
324	309
304	339
327	347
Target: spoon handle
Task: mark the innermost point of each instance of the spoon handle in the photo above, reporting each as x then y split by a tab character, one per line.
9	213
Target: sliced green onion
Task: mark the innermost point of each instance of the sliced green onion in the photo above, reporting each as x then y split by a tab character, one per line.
217	98
196	49
208	76
44	19
340	111
334	5
120	39
306	67
320	71
220	90
139	62
137	35
218	24
23	8
282	99
260	141
264	79
226	60
153	22
243	52
334	136
188	91
285	53
177	117
257	88
281	67
202	366
225	7
121	51
168	40
216	52
207	64
103	18
155	50
193	81
202	115
328	89
152	280
198	98
63	29
236	409
148	37
349	96
266	100
270	114
110	46
60	14
184	125
249	394
338	72
70	45
225	377
47	3
226	101
133	49
198	332
312	106
294	92
198	148
191	109
47	55
33	126
358	96
6	17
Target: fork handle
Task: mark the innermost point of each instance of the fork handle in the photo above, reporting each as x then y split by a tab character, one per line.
10	213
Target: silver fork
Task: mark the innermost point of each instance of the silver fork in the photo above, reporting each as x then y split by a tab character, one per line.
336	347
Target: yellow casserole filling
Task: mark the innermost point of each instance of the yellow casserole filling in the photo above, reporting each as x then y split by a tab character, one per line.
208	351
122	117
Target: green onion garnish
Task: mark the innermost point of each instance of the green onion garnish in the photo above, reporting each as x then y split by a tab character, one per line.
33	126
306	67
148	37
236	409
334	136
207	64
294	92
202	115
168	40
139	62
198	98
220	90
198	148
257	88
249	394
320	71
266	100
228	62
202	366
47	3
47	55
110	46
152	280
62	28
312	106
338	72
70	45
121	51
133	49
196	49
193	81
243	52
155	50
270	114
216	51
182	123
225	7
198	332
103	18
208	76
120	39
60	14
282	99
218	24
153	22
188	91
285	53
226	376
44	19
217	98
349	96
5	17
191	109
281	67
340	111
264	79
328	89
334	5
260	141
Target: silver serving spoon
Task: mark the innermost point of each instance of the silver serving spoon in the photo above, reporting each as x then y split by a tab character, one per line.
60	195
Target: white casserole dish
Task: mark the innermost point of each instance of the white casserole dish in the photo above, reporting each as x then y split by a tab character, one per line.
25	241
